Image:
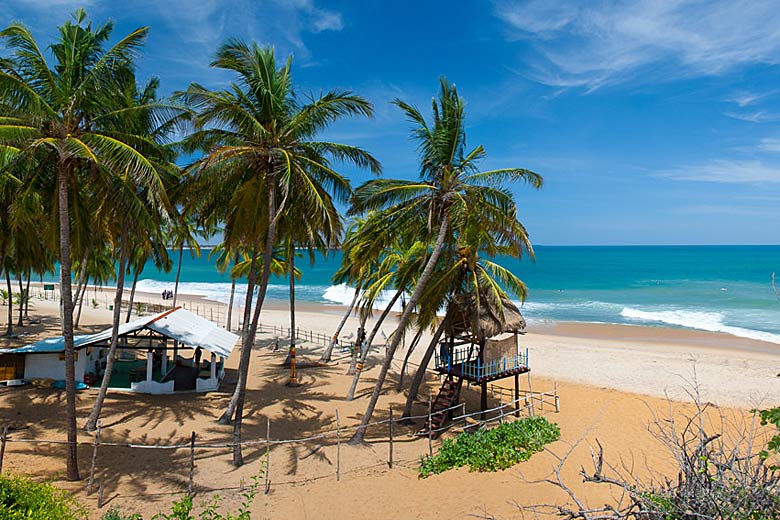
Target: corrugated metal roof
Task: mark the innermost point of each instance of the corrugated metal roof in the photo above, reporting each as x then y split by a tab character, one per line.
178	324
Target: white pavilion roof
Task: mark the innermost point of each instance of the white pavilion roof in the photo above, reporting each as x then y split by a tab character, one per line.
178	324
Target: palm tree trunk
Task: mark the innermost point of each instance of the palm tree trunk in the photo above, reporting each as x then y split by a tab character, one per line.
132	296
412	346
246	348
120	288
420	374
66	293
367	345
329	351
80	299
360	434
27	301
178	274
229	319
227	416
81	286
355	350
291	262
20	323
10	330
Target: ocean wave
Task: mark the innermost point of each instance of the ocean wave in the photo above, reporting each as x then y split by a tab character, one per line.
700	320
343	295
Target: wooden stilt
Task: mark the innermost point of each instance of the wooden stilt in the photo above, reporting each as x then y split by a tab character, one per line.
268	457
517	395
390	456
94	458
191	485
338	448
430	424
483	402
3	440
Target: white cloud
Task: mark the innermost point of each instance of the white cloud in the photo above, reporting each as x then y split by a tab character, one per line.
726	172
770	144
591	44
758	116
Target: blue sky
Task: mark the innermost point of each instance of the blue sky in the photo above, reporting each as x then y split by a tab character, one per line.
654	122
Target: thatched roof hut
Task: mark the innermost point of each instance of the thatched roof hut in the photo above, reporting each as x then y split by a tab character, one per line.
482	319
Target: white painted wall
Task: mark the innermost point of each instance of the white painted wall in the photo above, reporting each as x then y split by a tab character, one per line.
152	387
50	366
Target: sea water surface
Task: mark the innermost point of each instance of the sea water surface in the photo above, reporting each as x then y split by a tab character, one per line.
712	288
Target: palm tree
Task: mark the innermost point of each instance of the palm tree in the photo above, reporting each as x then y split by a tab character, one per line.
57	112
260	146
449	188
130	212
183	233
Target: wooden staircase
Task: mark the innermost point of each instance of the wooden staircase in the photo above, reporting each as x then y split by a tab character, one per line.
448	394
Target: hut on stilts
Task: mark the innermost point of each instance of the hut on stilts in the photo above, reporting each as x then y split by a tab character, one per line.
481	345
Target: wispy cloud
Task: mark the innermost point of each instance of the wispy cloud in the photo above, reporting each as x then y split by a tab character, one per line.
758	116
726	172
769	144
592	44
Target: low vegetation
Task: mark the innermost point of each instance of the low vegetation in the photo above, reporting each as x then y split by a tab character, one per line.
21	498
494	449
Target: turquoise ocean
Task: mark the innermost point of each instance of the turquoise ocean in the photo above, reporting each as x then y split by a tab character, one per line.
711	288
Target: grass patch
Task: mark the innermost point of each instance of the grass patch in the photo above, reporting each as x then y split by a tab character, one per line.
492	450
21	498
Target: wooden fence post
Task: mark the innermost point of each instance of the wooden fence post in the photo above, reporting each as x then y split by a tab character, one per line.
100	495
430	424
191	486
3	440
338	448
557	401
268	456
390	458
94	458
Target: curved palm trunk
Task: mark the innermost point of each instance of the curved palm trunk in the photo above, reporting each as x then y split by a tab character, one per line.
10	330
412	346
120	287
355	352
66	293
227	416
27	301
80	298
420	374
360	434
81	286
367	347
291	351
229	320
329	351
20	322
178	274
132	296
246	348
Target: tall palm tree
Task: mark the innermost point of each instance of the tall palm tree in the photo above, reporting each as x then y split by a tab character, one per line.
127	209
449	188
57	112
261	146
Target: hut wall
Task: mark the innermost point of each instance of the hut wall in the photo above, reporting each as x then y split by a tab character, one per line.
51	366
500	348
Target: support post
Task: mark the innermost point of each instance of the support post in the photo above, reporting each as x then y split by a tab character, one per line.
191	485
483	400
517	395
338	448
557	401
100	495
164	366
94	458
149	361
268	456
213	374
390	456
430	424
3	440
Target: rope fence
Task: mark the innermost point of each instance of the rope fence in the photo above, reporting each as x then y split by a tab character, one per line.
462	421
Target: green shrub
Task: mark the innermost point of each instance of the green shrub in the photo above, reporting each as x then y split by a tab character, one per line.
492	450
21	498
116	514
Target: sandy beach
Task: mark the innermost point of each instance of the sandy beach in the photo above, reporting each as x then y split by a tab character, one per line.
612	381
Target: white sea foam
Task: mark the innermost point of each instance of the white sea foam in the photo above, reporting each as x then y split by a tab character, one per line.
343	294
709	321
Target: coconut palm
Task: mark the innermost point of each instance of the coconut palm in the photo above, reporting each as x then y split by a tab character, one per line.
449	188
260	146
57	111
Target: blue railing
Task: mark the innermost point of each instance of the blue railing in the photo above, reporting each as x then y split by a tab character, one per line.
477	369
